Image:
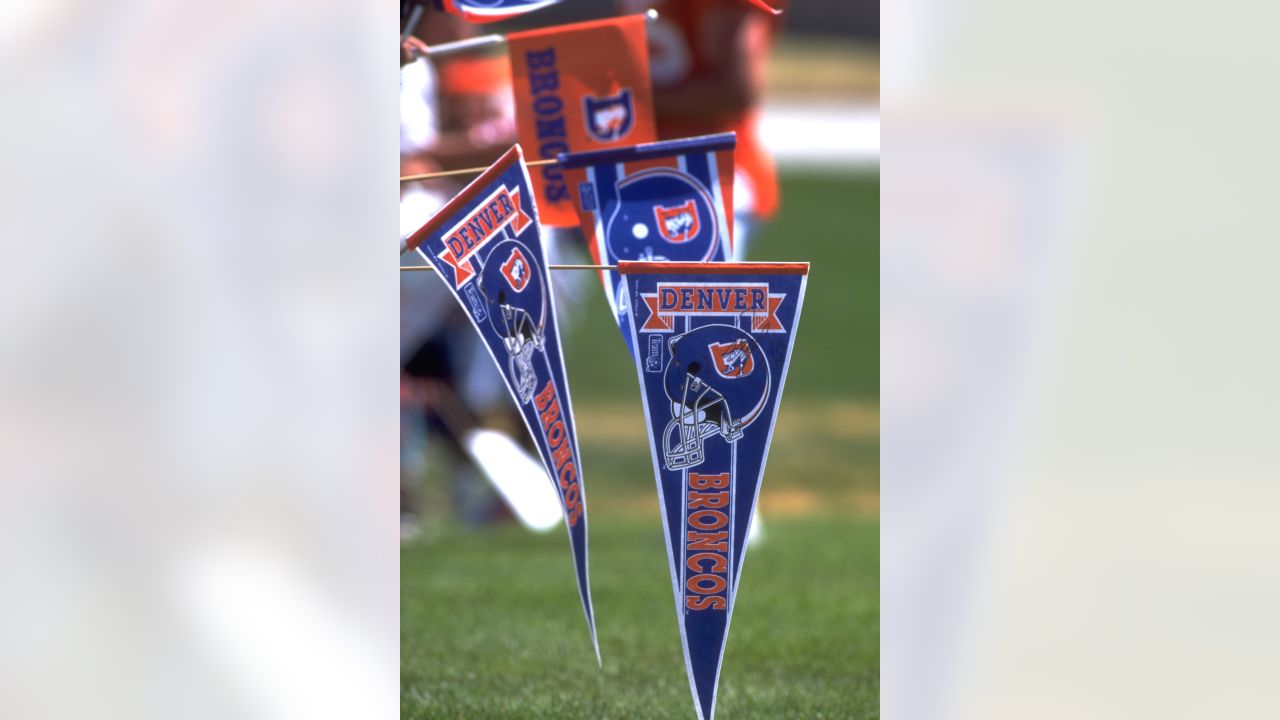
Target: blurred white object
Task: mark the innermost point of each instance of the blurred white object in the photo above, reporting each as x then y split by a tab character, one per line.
518	477
410	528
424	301
834	135
417	205
755	531
418	113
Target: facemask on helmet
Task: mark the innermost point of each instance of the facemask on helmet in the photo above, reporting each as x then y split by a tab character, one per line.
517	307
522	339
718	383
698	413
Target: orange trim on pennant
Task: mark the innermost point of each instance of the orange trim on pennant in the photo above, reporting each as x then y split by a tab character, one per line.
473	232
656	321
635	267
497	168
681	298
769	322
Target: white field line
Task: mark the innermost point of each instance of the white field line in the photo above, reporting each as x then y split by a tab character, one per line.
835	135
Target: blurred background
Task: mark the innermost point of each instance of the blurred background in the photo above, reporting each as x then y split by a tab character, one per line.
489	622
198	397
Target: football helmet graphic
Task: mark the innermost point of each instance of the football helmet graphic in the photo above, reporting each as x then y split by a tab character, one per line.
718	382
662	214
517	303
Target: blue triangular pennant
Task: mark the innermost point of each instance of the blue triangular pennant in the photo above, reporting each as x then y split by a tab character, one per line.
669	200
713	341
485	245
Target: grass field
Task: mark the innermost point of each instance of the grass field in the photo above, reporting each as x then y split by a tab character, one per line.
491	626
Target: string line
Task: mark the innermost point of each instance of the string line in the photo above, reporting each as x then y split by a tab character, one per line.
466	171
431	268
484	41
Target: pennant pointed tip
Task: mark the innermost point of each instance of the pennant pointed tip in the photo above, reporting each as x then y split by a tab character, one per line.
595	643
706	700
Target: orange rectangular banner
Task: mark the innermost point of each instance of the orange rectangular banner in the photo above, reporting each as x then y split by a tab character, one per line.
579	87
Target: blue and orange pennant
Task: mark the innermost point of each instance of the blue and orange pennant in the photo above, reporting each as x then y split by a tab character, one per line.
714	341
579	87
487	11
669	200
486	247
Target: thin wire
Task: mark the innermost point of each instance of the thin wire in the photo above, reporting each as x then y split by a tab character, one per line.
464	45
431	268
488	40
465	171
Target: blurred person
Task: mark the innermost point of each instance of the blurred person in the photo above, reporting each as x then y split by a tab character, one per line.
474	112
456	112
707	60
419	296
480	119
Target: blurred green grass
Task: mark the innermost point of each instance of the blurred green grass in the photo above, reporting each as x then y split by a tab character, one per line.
491	626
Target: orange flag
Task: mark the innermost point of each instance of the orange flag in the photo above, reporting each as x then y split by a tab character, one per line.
579	87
